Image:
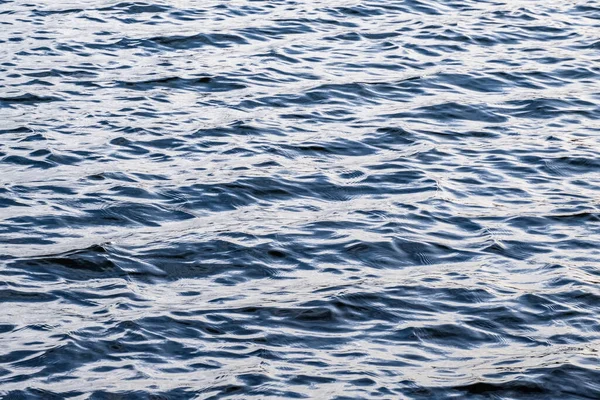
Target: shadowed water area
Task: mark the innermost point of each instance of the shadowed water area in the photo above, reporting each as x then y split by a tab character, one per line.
300	199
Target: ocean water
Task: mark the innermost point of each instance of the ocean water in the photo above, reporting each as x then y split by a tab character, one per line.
300	199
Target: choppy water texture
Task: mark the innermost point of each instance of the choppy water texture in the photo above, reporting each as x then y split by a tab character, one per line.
321	199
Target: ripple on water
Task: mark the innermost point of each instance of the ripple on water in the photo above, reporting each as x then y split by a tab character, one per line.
374	199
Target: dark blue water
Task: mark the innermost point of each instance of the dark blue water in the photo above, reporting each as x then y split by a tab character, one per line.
300	199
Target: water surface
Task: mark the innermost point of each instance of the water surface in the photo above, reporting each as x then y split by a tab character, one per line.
288	199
